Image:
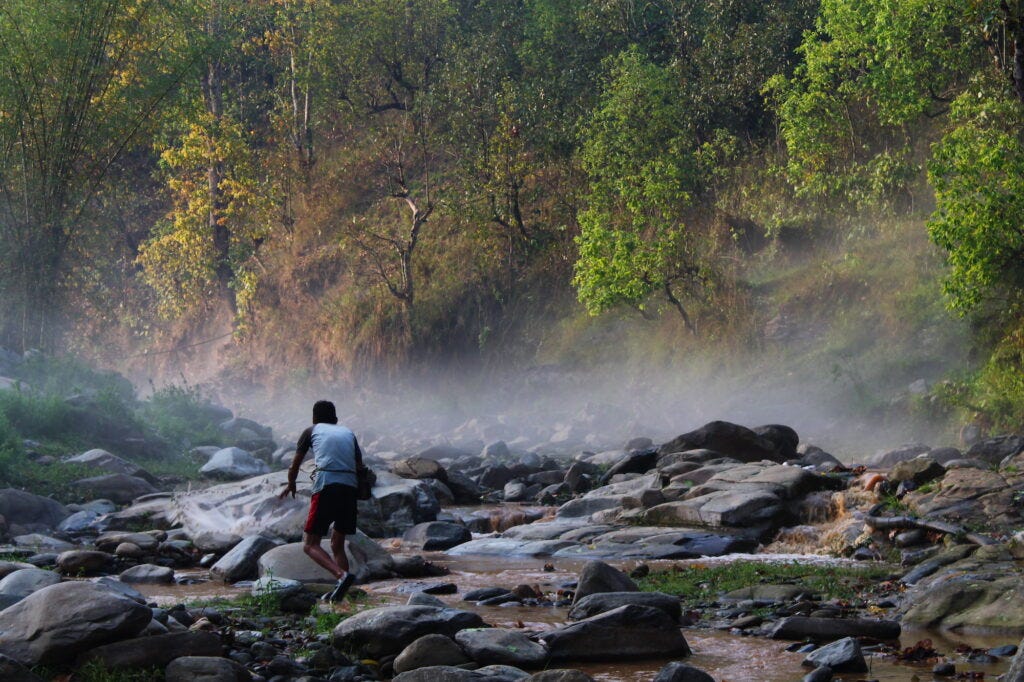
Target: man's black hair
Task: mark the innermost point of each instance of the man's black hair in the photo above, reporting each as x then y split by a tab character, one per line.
324	412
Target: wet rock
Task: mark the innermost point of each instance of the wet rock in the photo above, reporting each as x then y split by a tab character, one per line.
156	651
682	672
242	562
414	567
81	561
495	646
561	675
26	581
59	622
464	489
206	669
80	522
233	464
594	604
828	629
1002	651
820	674
597	577
731	440
388	630
101	459
121	588
627	632
424	599
484	593
148	574
515	491
30	511
841	656
510	547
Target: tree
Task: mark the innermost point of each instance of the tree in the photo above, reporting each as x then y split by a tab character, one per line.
80	80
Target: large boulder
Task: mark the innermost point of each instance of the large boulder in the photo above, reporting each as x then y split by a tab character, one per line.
994	450
81	561
731	440
26	581
598	576
101	459
627	632
396	505
419	468
242	562
120	488
366	558
239	509
723	508
968	600
843	655
30	511
388	630
918	471
59	622
233	464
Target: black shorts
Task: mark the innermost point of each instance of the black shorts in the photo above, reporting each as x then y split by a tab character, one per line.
335	504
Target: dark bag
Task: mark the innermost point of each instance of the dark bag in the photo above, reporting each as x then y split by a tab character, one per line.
365	479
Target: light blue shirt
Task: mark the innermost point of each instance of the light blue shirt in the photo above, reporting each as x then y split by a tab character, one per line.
334	455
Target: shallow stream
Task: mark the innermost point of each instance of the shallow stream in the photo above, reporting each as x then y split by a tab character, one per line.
726	656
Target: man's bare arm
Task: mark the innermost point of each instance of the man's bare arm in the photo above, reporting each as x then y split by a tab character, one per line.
293	473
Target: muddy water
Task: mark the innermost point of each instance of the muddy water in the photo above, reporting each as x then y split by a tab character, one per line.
727	657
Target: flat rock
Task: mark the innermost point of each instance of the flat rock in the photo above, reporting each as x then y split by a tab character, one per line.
510	547
979	600
101	459
717	509
42	543
829	629
388	630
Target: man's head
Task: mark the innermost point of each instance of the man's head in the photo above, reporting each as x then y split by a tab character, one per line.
324	412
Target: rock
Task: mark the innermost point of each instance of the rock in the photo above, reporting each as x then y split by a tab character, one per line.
30	511
242	562
12	671
108	542
419	468
601	602
430	650
561	675
42	543
153	652
444	451
829	629
80	561
463	488
598	576
725	508
495	646
205	669
58	622
968	601
728	439
120	488
424	599
484	593
822	674
101	459
215	542
1016	671
681	672
993	451
233	464
886	460
121	588
437	535
8	567
843	656
636	462
148	574
80	522
627	632
447	673
919	470
367	560
495	477
397	505
388	630
26	581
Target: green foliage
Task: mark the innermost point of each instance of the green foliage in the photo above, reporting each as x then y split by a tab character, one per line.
696	585
181	415
96	671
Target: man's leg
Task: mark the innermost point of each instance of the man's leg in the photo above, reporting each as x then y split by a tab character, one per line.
311	546
338	549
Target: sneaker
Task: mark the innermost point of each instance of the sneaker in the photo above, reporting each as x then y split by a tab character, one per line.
340	589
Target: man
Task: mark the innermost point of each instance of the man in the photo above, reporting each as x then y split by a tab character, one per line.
335	455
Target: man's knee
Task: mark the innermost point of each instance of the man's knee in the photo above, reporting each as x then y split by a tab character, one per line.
310	542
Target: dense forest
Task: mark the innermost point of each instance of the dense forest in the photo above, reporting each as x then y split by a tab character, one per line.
355	185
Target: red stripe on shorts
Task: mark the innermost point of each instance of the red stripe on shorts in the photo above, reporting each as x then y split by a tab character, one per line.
313	502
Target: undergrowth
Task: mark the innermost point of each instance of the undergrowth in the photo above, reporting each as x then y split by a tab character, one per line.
698	584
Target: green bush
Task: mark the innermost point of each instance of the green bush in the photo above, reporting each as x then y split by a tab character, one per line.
181	415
